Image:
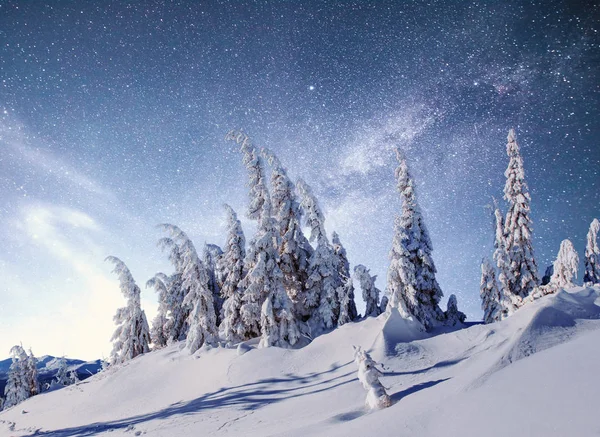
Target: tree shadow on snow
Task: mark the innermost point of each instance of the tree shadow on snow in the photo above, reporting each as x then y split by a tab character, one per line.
415	388
246	397
445	363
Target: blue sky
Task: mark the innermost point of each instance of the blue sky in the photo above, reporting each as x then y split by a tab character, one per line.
113	117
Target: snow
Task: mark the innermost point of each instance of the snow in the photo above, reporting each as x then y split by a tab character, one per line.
532	374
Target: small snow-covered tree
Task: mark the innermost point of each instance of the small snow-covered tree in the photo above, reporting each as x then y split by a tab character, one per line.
411	281
348	311
18	385
384	304
547	275
294	249
370	293
263	279
202	326
368	375
491	298
592	255
32	374
565	266
73	377
61	378
132	336
210	257
518	225
453	315
232	328
320	299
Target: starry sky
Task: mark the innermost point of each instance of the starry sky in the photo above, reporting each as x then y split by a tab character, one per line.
113	116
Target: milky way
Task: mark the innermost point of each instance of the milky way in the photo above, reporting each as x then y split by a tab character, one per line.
113	114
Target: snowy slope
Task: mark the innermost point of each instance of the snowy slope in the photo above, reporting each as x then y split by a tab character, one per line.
534	374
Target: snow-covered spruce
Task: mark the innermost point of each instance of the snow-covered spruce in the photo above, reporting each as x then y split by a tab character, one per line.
491	298
345	295
32	374
18	385
161	325
210	257
263	278
411	279
294	249
345	292
177	312
132	336
321	298
202	320
370	293
523	276
453	315
369	375
232	328
565	266
592	255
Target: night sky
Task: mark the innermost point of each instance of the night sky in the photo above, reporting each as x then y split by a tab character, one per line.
113	117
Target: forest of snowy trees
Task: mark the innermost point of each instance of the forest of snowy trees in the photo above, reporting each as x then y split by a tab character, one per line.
286	288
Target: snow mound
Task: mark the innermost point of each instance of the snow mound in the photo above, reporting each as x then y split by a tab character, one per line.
396	331
554	321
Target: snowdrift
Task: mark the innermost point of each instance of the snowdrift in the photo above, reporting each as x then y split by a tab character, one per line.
534	374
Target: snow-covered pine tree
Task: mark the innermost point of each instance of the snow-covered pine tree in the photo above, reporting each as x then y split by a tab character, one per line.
294	249
348	311
18	385
518	225
491	298
264	280
161	325
592	255
453	315
411	281
232	328
320	298
202	327
210	257
345	296
178	312
132	336
370	293
565	266
508	302
32	374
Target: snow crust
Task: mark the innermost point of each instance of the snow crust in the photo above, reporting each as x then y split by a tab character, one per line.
533	374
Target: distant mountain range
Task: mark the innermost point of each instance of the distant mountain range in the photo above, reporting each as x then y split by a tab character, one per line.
48	366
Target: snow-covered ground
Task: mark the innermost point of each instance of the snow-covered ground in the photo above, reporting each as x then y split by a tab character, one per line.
534	374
